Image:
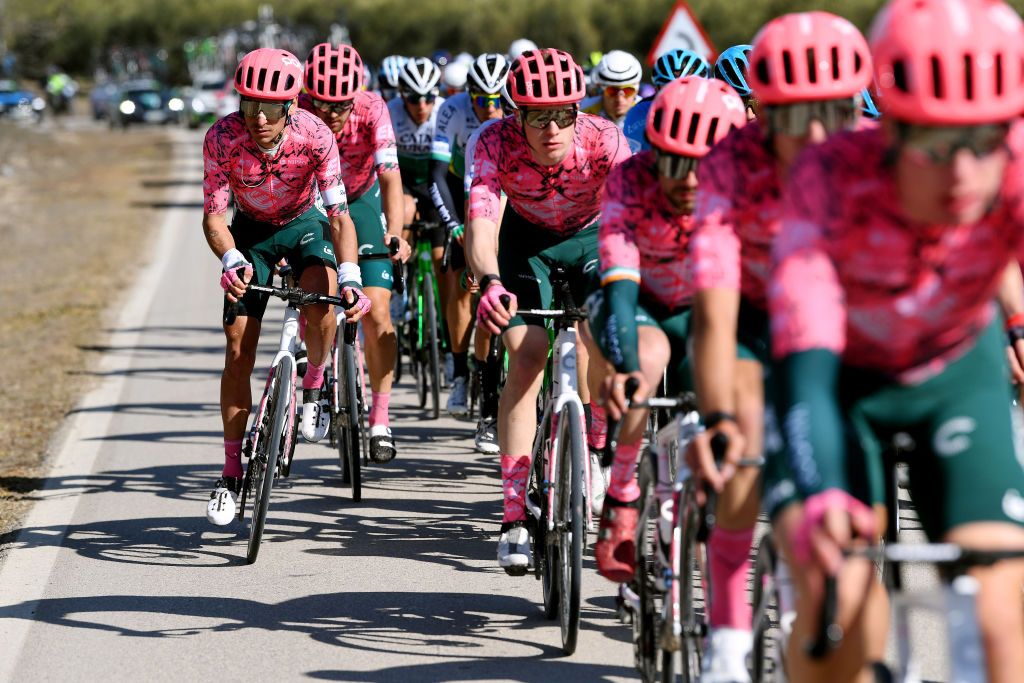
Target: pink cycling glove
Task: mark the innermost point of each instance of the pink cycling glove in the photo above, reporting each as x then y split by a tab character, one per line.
362	303
862	519
232	261
489	301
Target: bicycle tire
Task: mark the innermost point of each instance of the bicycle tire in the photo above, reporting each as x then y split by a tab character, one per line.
572	523
544	554
646	655
286	462
364	430
764	595
266	462
351	456
399	343
692	637
433	341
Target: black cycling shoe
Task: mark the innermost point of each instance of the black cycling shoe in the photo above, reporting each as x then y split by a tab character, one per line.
382	448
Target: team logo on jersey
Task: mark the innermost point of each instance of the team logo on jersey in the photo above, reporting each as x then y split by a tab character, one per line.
590	266
307	238
365	249
329	251
952	436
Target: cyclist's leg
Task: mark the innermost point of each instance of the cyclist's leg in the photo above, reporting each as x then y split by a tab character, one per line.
459	318
967	483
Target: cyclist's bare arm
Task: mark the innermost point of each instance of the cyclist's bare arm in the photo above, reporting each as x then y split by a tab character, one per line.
482	246
343	236
393	201
215	229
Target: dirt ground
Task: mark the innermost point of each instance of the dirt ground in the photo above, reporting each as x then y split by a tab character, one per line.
71	221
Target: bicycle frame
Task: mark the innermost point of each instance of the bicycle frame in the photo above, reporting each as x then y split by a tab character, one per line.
286	347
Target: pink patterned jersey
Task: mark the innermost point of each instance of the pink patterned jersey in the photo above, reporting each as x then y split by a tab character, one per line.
642	238
853	276
564	198
366	143
738	215
272	189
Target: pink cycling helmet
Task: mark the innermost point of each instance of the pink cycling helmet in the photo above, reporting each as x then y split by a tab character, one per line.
546	77
334	74
691	114
269	74
949	62
808	56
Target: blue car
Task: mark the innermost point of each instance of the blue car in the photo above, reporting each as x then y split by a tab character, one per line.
18	103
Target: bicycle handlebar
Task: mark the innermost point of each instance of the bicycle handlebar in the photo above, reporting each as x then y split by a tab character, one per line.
295	296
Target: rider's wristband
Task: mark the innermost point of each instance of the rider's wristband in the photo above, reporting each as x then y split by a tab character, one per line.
487	280
1015	320
715	418
349	273
233	258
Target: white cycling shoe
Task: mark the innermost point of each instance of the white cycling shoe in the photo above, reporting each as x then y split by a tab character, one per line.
725	657
316	415
514	554
458	399
221	508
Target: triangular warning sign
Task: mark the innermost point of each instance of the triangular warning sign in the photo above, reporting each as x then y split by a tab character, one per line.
681	30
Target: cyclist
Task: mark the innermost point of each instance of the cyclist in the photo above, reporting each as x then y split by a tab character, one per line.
617	78
518	47
273	158
646	281
361	125
387	77
458	117
454	78
731	66
551	161
738	217
668	67
894	242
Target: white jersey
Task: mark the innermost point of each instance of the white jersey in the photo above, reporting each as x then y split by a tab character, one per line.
470	146
413	141
456	122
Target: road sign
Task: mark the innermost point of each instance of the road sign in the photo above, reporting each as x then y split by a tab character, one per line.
681	30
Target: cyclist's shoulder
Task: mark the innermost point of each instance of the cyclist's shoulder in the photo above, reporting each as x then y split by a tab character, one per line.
597	132
369	103
227	131
630	181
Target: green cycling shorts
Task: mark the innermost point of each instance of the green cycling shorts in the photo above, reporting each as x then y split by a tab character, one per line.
305	241
527	253
371	228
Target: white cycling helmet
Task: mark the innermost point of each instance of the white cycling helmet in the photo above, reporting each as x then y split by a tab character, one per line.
488	73
455	76
464	58
419	76
519	46
617	68
390	70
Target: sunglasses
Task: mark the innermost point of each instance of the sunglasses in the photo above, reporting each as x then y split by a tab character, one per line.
335	107
416	98
274	111
627	91
486	100
540	118
795	119
676	166
939	144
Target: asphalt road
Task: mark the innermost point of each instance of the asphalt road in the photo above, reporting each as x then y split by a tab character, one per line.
117	574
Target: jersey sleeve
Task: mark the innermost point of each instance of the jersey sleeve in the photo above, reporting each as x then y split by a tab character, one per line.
385	149
216	173
328	170
805	297
441	145
485	190
715	245
617	249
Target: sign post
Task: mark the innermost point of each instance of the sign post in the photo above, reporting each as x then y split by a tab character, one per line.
681	30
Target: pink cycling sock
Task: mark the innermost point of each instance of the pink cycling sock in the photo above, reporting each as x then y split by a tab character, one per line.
379	410
232	458
514	471
729	557
314	377
622	484
597	432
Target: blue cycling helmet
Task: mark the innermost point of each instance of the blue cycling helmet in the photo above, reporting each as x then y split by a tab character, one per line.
677	64
732	66
390	69
867	105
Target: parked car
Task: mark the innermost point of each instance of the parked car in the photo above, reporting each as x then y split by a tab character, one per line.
212	96
145	101
19	103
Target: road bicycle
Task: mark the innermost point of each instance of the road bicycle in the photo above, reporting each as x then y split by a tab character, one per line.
422	336
270	442
556	489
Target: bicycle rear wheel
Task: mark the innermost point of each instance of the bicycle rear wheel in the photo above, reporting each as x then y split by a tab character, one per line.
765	605
646	622
432	334
266	459
571	523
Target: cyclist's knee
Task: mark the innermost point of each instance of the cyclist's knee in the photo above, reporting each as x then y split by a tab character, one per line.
319	315
528	350
239	361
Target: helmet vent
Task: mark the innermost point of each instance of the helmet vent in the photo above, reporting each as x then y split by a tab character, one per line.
787	66
332	86
835	63
673	129
711	132
937	78
657	119
762	70
899	75
999	74
261	80
968	77
691	135
274	80
812	67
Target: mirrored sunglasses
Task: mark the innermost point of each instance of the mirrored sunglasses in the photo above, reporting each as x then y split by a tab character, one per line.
540	118
628	91
939	144
795	119
335	107
676	166
274	111
486	100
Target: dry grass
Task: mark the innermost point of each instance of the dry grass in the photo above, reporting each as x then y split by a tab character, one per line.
68	230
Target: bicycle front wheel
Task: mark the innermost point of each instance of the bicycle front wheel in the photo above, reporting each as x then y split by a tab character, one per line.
646	655
278	422
570	522
348	422
432	334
